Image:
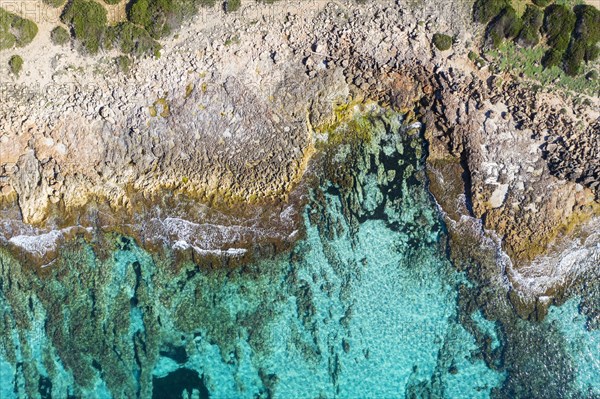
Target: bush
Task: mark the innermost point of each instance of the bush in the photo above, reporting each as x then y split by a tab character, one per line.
87	20
485	10
574	56
587	26
505	26
16	64
559	22
161	17
583	39
112	2
533	19
60	36
542	3
592	53
131	39
232	5
442	42
55	3
15	31
123	63
552	58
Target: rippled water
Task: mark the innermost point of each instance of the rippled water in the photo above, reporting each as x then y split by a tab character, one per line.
366	305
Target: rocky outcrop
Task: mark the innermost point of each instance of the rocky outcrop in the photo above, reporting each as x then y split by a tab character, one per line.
226	116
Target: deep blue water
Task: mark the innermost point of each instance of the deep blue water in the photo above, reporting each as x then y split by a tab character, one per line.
366	305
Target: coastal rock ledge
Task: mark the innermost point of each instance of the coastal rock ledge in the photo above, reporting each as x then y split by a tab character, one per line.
226	118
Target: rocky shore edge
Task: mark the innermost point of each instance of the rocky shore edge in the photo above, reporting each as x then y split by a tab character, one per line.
227	117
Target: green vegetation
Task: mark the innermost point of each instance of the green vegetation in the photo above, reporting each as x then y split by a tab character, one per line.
131	39
232	5
571	33
533	19
161	17
442	42
87	20
87	23
160	107
559	22
476	59
55	3
60	36
506	25
516	60
123	63
485	10
15	31
586	34
16	64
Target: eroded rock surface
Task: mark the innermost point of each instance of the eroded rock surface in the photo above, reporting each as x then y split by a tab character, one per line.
226	115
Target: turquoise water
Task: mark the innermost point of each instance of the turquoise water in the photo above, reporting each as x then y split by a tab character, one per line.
366	305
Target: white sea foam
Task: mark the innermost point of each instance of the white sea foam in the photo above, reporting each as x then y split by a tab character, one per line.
209	238
562	266
182	245
41	243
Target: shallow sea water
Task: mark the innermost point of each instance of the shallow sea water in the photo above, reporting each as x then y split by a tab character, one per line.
365	306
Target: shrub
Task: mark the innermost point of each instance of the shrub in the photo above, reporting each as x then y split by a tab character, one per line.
583	39
542	3
588	23
132	39
476	59
87	20
442	42
123	63
533	19
232	5
574	56
506	25
59	36
161	17
15	31
112	2
592	53
485	10
552	58
55	3
16	64
559	22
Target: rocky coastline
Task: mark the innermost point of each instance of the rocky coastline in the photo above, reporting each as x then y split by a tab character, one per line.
228	119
